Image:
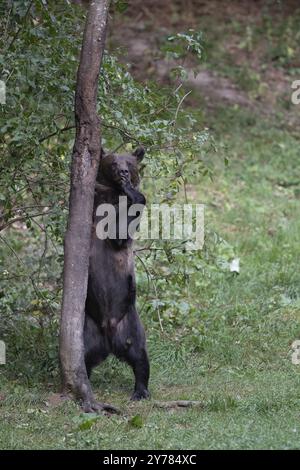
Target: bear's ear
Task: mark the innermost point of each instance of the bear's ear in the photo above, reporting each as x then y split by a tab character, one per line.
139	153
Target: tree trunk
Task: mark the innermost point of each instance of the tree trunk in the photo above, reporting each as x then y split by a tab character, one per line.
85	161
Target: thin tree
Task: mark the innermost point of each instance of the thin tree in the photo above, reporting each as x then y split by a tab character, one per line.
85	162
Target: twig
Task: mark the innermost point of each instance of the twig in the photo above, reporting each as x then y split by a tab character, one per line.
148	279
286	184
154	285
150	248
180	103
121	131
64	129
184	189
158	310
22	218
20	27
168	101
167	405
38	271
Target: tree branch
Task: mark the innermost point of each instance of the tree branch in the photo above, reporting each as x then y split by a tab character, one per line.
64	129
21	218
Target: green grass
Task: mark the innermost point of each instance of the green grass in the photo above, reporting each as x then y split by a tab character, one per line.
241	409
241	370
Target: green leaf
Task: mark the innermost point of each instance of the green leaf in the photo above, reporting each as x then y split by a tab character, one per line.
136	421
87	421
121	6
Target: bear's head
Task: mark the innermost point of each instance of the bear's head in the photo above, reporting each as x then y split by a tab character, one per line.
121	172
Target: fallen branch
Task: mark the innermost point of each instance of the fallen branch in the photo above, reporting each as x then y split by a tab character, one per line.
167	405
284	184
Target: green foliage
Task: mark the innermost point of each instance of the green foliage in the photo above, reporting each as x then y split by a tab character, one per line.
41	44
120	5
179	45
283	39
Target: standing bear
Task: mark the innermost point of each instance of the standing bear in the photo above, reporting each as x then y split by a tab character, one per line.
112	324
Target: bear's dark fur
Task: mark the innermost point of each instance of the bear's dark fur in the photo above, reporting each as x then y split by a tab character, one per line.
112	324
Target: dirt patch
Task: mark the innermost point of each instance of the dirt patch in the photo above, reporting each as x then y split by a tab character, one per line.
146	24
55	399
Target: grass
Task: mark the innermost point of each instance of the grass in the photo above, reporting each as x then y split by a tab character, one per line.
241	409
242	374
240	367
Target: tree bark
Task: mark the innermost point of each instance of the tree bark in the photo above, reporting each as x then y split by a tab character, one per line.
84	167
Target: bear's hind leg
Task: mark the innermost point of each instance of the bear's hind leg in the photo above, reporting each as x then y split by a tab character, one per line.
129	344
95	349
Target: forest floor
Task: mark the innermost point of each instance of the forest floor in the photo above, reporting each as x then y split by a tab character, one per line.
247	385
